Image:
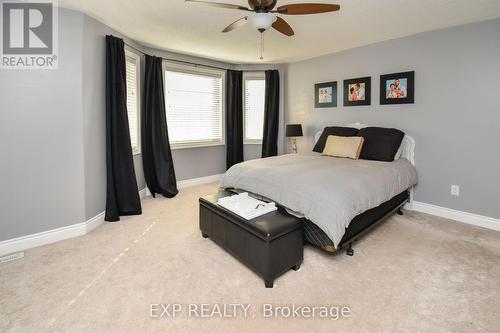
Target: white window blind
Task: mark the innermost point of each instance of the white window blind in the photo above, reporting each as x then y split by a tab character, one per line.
132	76
194	106
254	91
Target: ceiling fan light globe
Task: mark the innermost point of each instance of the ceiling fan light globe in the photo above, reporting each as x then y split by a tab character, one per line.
261	21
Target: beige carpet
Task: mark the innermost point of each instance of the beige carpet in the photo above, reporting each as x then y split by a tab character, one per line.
414	273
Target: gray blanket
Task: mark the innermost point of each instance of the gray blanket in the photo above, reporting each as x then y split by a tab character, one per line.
328	191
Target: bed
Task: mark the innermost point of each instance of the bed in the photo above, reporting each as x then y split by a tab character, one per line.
339	199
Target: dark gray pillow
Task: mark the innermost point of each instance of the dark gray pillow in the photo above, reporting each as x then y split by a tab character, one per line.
333	130
381	144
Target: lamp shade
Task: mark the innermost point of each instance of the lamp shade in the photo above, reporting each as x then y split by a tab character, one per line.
293	130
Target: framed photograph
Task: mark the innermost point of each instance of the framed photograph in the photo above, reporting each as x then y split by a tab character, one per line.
397	88
325	95
357	91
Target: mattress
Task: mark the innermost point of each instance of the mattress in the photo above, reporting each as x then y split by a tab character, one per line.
327	191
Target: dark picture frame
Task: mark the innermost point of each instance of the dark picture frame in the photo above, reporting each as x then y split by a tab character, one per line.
363	85
325	95
390	94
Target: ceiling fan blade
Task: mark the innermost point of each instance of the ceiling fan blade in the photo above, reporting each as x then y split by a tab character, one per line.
307	8
219	4
283	27
236	24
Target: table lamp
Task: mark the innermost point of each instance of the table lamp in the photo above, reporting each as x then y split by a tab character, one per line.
293	131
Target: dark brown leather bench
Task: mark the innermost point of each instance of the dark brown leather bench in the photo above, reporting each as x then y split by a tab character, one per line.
270	244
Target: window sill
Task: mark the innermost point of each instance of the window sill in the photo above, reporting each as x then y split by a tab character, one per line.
195	145
252	142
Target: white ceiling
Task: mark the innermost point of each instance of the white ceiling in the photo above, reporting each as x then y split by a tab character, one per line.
194	29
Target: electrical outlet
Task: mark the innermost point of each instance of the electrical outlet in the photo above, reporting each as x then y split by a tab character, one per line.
455	190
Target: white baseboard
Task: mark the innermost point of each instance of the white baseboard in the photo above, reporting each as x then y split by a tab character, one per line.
41	238
198	181
94	222
144	193
51	236
186	183
457	215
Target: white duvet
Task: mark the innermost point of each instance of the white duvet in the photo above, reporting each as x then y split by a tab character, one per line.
328	191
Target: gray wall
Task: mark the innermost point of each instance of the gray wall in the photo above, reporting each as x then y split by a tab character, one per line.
41	140
455	119
94	120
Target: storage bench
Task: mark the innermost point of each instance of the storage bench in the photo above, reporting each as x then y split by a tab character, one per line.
270	244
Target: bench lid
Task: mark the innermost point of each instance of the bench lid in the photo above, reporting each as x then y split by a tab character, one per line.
268	226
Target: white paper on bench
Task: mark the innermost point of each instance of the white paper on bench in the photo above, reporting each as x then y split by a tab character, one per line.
245	206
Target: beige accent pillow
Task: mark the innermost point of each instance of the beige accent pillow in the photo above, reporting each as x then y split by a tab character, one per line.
343	146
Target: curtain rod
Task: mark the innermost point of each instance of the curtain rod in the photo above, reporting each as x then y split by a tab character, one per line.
189	62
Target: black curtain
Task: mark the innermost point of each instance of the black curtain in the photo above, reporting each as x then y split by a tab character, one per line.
122	195
234	118
271	114
156	154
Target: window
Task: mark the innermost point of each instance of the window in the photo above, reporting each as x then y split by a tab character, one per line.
254	91
194	102
132	64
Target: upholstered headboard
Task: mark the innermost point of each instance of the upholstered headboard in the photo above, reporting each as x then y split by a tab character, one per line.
407	145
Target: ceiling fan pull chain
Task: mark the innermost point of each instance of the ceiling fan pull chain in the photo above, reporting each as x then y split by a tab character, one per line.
262	46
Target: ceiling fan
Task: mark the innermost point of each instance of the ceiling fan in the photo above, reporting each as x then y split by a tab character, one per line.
262	17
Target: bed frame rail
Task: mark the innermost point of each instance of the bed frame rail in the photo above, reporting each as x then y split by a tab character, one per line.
347	244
